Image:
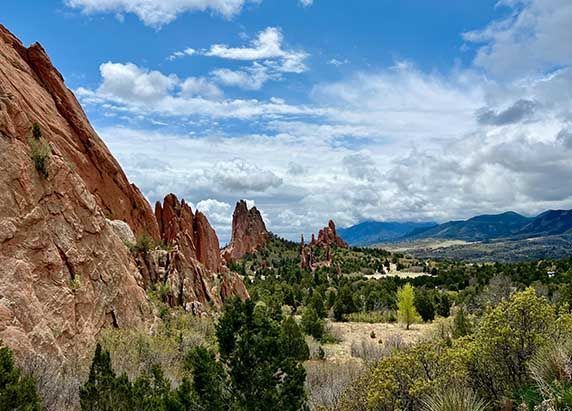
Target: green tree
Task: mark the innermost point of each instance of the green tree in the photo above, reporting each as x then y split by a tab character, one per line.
262	374
461	324
209	379
312	324
444	305
344	303
100	391
424	304
406	312
17	391
317	303
292	339
36	131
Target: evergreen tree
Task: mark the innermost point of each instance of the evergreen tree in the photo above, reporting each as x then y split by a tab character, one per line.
461	324
344	303
444	306
17	391
292	339
99	392
262	374
312	324
209	379
406	312
424	305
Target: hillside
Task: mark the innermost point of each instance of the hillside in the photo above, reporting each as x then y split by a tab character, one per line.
372	232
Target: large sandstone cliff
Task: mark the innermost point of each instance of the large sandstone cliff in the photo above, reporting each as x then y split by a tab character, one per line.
327	239
65	270
32	90
249	232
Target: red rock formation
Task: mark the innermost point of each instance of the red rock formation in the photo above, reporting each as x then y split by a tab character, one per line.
249	232
192	233
64	272
193	268
328	237
32	90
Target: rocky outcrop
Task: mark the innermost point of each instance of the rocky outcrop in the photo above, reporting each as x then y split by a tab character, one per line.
249	232
327	239
66	271
33	91
190	266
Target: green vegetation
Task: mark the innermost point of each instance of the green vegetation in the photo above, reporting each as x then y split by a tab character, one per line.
406	312
17	391
40	151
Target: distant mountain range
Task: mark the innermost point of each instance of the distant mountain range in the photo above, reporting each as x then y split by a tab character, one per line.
509	225
375	232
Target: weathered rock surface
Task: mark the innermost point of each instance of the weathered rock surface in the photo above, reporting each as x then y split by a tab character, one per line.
191	267
65	270
249	232
327	239
32	90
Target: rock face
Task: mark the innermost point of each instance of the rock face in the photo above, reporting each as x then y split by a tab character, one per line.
327	239
64	272
191	267
249	232
32	90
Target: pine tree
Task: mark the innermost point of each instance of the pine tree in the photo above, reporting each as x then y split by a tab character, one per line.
99	392
312	324
17	391
209	379
406	311
292	340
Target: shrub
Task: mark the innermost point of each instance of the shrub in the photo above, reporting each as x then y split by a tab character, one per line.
143	245
454	399
40	151
36	131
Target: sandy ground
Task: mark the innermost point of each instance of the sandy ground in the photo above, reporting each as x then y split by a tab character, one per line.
353	332
394	273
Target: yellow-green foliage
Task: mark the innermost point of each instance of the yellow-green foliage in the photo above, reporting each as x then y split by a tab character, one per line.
403	379
406	312
455	399
40	151
493	361
134	351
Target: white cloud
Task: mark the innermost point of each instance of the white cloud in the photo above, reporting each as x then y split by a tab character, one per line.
182	53
306	3
268	47
533	39
240	176
198	86
129	82
156	13
131	90
249	78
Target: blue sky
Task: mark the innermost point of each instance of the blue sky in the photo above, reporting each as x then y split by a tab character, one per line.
385	110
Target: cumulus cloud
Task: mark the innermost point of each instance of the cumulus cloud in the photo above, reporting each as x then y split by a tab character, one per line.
182	53
158	13
249	78
521	110
129	89
241	176
268	47
530	40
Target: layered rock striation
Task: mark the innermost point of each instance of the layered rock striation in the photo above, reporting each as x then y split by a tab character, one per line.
249	232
